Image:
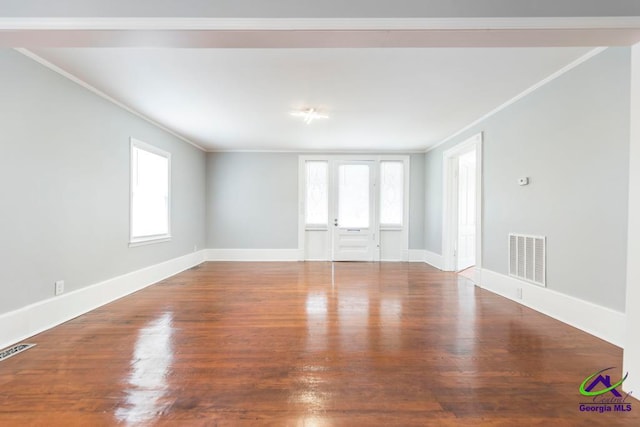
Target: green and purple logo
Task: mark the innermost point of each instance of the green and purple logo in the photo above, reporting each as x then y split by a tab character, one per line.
605	395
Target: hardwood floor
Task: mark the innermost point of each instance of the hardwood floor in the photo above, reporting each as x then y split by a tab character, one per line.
468	273
309	344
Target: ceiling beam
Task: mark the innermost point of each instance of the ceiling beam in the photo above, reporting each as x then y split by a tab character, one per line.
318	33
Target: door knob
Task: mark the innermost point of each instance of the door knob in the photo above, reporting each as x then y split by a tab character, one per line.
335	222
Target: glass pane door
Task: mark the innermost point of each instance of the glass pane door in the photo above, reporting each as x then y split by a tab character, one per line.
354	222
353	196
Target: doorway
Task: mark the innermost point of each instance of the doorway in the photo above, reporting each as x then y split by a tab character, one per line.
462	208
353	208
353	216
466	201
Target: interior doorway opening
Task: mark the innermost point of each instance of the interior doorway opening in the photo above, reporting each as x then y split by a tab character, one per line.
466	224
462	208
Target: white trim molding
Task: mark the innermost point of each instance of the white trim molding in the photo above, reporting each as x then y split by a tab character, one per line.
35	318
594	319
292	255
101	94
136	144
434	259
253	255
416	255
541	83
428	257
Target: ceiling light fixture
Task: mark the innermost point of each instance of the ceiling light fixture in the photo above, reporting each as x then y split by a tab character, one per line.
309	115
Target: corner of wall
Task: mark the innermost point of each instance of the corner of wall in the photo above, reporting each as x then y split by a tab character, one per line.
434	259
631	361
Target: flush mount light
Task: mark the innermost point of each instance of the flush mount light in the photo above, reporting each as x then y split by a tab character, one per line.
309	115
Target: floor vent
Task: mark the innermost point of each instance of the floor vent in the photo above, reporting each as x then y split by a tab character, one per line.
12	351
527	256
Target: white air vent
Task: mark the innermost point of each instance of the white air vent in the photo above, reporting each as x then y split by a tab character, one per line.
527	258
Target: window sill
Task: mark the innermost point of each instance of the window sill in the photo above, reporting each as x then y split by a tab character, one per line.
149	241
391	228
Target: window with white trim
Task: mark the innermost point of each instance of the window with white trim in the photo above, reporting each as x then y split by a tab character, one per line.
317	197
391	193
150	194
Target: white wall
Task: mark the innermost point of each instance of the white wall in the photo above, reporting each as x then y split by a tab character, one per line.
64	186
433	170
632	344
252	201
571	138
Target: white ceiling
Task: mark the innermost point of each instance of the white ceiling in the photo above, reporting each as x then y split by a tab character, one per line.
379	99
397	75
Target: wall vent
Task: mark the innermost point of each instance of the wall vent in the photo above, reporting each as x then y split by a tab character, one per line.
12	351
527	256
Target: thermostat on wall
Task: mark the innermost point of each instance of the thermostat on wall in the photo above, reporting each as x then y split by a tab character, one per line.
523	181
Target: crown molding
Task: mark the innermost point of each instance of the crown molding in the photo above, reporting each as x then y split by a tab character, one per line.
521	95
101	94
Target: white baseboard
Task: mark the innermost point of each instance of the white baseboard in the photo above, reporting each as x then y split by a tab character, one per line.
28	321
434	259
416	255
254	255
594	319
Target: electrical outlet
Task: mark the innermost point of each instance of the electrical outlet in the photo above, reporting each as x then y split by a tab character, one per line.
519	293
59	287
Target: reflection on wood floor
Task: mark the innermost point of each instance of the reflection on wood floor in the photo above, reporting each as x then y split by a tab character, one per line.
308	344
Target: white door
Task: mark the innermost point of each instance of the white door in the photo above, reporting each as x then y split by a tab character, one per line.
354	224
466	245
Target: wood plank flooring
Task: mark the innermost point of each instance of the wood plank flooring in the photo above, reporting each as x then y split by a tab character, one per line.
308	344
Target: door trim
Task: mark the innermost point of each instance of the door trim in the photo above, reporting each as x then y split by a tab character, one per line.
332	158
449	205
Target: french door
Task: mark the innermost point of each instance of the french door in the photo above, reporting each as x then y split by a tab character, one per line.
353	207
353	220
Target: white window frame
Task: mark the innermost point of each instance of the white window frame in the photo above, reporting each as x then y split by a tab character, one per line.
310	226
405	197
158	238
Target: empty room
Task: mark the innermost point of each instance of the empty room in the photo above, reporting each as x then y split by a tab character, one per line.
297	213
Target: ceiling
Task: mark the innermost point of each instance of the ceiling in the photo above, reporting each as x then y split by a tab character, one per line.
378	99
400	75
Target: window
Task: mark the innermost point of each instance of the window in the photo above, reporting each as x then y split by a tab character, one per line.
317	197
150	194
391	193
